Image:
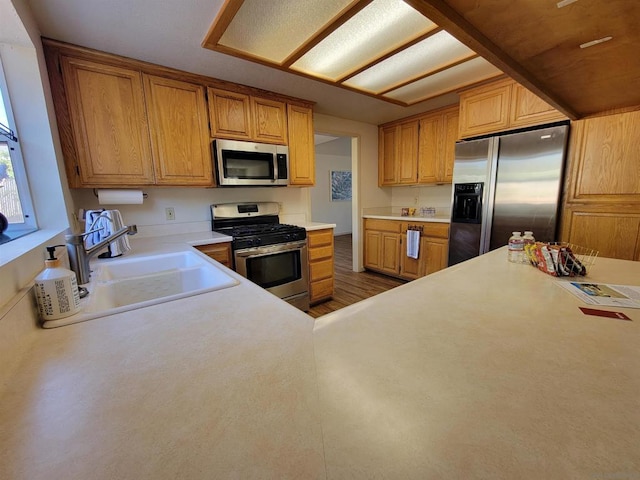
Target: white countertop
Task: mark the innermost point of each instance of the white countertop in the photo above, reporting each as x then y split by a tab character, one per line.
409	218
483	370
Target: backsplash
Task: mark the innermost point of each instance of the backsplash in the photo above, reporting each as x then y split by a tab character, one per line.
438	196
191	206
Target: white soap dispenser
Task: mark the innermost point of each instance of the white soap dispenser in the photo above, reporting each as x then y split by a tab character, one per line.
56	289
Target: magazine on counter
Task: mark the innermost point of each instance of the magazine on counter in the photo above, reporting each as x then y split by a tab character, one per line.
603	294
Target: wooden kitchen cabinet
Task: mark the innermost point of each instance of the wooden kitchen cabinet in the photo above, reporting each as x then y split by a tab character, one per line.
382	246
220	252
229	114
302	166
602	204
179	132
127	123
385	248
108	144
436	150
502	105
321	264
419	150
269	120
388	138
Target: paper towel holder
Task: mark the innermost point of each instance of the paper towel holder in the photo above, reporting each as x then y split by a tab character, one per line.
95	192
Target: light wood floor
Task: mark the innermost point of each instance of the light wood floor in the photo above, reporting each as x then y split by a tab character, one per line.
350	286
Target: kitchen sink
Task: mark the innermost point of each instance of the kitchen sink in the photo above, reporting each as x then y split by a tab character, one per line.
130	283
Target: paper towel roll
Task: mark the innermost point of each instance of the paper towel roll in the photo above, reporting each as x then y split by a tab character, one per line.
120	197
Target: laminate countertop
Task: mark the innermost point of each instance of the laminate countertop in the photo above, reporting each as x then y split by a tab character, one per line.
483	370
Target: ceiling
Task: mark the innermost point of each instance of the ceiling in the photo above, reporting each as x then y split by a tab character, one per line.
533	41
382	48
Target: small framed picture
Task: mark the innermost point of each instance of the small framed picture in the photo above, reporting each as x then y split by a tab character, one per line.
340	185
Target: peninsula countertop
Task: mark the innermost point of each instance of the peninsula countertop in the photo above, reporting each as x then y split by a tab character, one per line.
483	370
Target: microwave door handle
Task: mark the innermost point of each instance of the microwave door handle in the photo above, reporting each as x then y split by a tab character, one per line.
275	169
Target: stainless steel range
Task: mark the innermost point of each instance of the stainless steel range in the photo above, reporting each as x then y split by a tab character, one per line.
267	252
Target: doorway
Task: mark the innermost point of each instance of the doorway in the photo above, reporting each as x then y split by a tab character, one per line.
330	199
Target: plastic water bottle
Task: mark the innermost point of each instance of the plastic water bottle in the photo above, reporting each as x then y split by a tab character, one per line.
516	248
528	239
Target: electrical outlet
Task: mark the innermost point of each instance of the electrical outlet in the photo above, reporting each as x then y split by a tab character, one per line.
170	213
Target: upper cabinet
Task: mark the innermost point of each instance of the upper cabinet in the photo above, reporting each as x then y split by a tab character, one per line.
269	120
229	114
602	199
302	171
107	129
419	150
179	132
126	123
500	106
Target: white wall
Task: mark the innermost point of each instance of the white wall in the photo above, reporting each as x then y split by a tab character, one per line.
192	212
438	196
334	155
366	193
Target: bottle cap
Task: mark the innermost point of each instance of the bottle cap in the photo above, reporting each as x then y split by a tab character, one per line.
528	232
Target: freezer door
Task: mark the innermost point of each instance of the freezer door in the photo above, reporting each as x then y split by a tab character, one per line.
528	184
471	166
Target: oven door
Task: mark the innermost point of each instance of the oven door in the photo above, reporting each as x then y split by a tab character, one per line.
282	269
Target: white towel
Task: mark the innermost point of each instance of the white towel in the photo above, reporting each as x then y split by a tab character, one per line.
92	220
104	223
413	243
113	222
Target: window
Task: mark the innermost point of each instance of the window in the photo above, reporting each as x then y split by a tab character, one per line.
15	199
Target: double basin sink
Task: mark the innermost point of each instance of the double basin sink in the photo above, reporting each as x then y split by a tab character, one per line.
120	285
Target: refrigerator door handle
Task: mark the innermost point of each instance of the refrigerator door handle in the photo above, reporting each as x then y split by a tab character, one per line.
489	195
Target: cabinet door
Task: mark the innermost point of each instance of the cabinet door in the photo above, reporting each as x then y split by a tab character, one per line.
388	138
109	123
229	114
408	153
390	258
269	120
529	109
605	159
614	234
448	151
302	165
411	268
372	249
220	252
179	132
429	149
485	110
436	251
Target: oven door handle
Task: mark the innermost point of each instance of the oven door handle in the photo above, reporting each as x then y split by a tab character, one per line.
269	249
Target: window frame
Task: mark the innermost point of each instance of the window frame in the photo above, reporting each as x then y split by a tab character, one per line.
29	225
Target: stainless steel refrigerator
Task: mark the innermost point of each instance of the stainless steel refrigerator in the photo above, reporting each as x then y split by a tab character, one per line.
503	184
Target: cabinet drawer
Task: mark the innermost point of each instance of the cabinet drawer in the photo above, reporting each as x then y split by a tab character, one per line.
429	229
321	269
319	253
382	225
321	289
319	238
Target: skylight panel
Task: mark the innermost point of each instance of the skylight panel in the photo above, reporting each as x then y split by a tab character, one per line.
461	75
272	30
379	28
432	53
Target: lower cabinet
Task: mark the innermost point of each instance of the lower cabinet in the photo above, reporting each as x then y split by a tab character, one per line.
320	251
385	247
220	252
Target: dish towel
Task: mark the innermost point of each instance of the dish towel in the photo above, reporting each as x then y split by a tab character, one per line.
413	243
100	224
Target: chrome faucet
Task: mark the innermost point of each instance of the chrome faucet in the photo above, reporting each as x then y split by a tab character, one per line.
79	255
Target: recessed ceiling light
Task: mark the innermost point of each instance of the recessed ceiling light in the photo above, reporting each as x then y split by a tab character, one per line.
595	42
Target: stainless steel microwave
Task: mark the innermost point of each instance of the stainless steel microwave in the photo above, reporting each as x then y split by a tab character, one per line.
248	164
